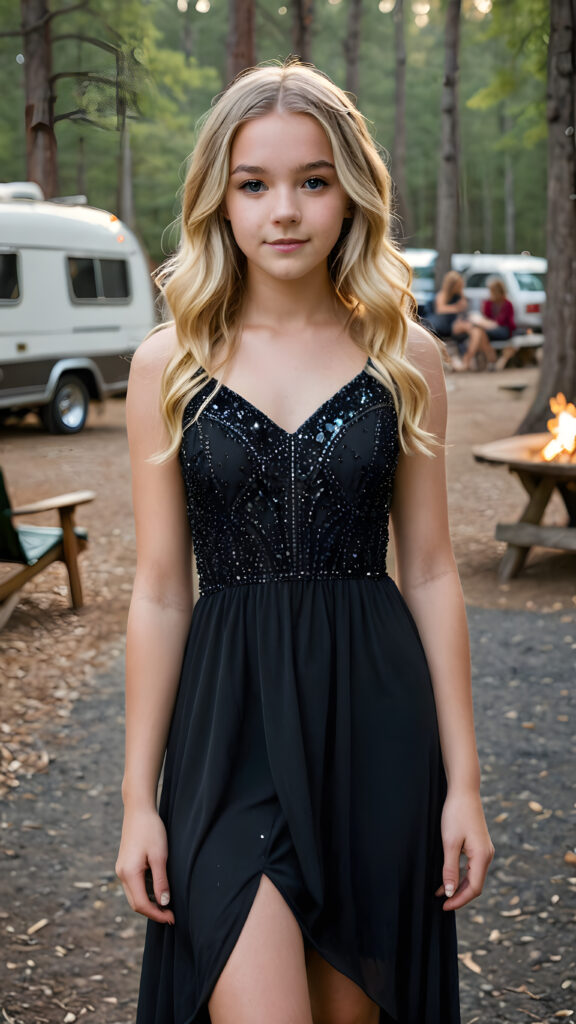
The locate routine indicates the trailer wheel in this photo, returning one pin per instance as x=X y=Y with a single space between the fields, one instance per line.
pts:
x=68 y=408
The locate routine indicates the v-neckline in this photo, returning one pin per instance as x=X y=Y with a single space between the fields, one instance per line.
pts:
x=319 y=409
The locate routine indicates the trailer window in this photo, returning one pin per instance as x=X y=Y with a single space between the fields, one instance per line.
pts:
x=83 y=277
x=9 y=285
x=99 y=279
x=114 y=279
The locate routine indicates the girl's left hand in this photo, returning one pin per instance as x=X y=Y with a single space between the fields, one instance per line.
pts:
x=464 y=830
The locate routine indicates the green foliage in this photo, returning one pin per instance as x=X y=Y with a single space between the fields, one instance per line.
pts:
x=172 y=63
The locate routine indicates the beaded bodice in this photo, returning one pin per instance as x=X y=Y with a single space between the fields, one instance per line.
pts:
x=265 y=504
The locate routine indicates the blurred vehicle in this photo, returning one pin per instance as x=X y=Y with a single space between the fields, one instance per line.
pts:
x=524 y=278
x=423 y=263
x=75 y=301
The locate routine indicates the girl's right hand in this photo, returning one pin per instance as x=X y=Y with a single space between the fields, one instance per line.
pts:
x=144 y=846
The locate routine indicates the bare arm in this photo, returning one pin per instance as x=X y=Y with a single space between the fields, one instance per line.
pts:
x=442 y=306
x=158 y=623
x=429 y=582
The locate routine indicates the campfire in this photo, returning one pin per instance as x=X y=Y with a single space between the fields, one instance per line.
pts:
x=562 y=446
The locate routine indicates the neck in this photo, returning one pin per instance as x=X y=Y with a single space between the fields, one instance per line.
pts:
x=289 y=304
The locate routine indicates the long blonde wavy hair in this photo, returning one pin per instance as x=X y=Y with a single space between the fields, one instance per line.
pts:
x=203 y=282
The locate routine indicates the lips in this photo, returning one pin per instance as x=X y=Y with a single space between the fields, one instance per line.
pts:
x=287 y=244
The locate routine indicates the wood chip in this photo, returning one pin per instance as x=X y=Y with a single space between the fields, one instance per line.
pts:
x=36 y=927
x=469 y=962
x=535 y=806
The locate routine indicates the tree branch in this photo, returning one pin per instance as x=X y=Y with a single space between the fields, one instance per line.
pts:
x=86 y=39
x=77 y=115
x=83 y=4
x=89 y=76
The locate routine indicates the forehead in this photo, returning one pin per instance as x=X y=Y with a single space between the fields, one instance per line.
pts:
x=284 y=138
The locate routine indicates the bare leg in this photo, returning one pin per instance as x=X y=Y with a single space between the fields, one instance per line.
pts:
x=334 y=998
x=479 y=342
x=264 y=980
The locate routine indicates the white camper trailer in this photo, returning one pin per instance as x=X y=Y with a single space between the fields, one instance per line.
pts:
x=75 y=301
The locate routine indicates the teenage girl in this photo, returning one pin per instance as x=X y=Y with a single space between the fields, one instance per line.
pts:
x=313 y=717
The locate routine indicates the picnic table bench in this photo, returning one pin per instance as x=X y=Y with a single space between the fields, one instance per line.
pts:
x=540 y=479
x=518 y=344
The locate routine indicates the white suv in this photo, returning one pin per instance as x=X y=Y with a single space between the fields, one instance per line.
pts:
x=524 y=278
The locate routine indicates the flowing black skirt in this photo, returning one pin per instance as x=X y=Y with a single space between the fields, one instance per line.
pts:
x=304 y=746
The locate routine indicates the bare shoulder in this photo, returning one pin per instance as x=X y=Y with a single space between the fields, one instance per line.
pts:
x=153 y=354
x=423 y=350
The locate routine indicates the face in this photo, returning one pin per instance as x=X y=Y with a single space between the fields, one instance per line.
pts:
x=284 y=202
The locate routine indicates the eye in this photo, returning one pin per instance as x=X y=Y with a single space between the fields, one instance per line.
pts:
x=315 y=184
x=253 y=187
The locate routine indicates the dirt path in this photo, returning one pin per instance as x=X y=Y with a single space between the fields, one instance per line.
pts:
x=61 y=737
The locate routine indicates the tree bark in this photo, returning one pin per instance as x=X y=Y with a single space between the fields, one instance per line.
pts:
x=352 y=45
x=486 y=214
x=404 y=226
x=302 y=29
x=241 y=48
x=558 y=371
x=509 y=193
x=447 y=196
x=41 y=154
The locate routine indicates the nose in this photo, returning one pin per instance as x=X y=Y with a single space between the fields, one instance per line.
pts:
x=285 y=209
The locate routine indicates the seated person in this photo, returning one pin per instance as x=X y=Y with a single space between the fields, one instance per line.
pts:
x=496 y=323
x=449 y=303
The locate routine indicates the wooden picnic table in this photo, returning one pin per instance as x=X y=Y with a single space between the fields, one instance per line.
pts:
x=539 y=478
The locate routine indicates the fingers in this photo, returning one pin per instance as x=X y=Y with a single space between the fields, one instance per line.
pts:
x=451 y=868
x=160 y=881
x=134 y=884
x=472 y=883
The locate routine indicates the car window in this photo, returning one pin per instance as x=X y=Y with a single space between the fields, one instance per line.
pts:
x=478 y=280
x=98 y=279
x=9 y=284
x=424 y=274
x=531 y=282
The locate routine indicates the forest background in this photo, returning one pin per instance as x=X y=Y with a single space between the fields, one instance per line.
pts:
x=167 y=59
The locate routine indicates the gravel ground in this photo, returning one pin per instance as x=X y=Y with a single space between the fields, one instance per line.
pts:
x=72 y=947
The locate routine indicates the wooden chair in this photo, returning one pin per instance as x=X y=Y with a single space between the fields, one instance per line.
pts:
x=35 y=547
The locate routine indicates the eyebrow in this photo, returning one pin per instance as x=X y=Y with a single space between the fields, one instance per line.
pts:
x=315 y=165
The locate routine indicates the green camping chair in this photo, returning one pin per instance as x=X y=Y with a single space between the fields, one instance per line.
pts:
x=35 y=547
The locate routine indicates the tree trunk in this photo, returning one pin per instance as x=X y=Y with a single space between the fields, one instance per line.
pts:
x=240 y=46
x=399 y=144
x=125 y=192
x=447 y=197
x=487 y=221
x=464 y=206
x=41 y=156
x=352 y=45
x=558 y=371
x=81 y=167
x=302 y=28
x=509 y=195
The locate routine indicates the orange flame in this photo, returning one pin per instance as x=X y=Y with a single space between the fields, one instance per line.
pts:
x=562 y=447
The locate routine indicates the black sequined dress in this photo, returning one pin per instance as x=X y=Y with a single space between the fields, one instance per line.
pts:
x=304 y=741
